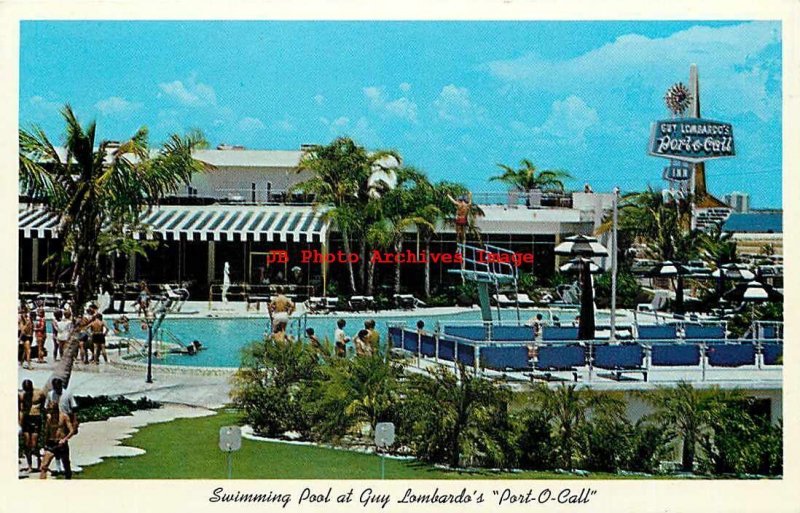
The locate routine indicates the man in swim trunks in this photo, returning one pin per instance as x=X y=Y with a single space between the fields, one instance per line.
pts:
x=463 y=205
x=31 y=401
x=40 y=333
x=99 y=330
x=280 y=308
x=58 y=429
x=25 y=337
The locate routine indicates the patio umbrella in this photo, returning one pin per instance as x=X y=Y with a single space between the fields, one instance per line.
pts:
x=670 y=269
x=576 y=264
x=584 y=247
x=735 y=272
x=754 y=292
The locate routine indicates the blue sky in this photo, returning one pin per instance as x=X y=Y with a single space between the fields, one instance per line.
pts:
x=454 y=98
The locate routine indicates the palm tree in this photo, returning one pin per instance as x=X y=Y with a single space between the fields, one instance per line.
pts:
x=96 y=183
x=567 y=407
x=718 y=248
x=528 y=177
x=339 y=171
x=686 y=411
x=456 y=409
x=360 y=390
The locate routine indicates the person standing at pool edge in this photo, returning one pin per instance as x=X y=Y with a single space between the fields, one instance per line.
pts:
x=280 y=308
x=340 y=338
x=373 y=337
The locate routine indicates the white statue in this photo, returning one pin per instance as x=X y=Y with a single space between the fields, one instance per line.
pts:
x=226 y=282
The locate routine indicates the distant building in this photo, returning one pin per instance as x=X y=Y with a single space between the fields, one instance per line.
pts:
x=738 y=201
x=755 y=231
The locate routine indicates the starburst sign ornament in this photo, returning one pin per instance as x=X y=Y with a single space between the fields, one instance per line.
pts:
x=678 y=99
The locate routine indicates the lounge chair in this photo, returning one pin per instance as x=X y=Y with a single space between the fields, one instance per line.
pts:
x=503 y=300
x=525 y=301
x=178 y=296
x=315 y=304
x=731 y=355
x=659 y=301
x=361 y=303
x=331 y=303
x=407 y=301
x=701 y=332
x=677 y=354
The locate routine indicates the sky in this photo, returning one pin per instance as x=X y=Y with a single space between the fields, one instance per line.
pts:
x=454 y=98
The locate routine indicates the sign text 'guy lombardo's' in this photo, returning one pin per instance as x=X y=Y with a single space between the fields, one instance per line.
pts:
x=692 y=140
x=313 y=256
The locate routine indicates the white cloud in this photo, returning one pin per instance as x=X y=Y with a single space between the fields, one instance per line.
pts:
x=727 y=58
x=43 y=104
x=250 y=124
x=454 y=104
x=401 y=108
x=191 y=94
x=115 y=105
x=405 y=87
x=569 y=118
x=319 y=99
x=285 y=125
x=340 y=122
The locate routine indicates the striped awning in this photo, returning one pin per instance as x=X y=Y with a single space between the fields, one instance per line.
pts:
x=210 y=222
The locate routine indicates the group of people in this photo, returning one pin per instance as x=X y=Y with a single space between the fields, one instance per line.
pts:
x=88 y=328
x=366 y=342
x=49 y=417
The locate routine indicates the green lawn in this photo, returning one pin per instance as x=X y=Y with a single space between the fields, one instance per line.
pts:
x=187 y=449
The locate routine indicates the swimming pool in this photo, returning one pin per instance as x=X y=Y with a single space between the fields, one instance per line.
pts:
x=223 y=339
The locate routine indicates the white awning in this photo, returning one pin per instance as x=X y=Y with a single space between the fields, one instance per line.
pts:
x=208 y=222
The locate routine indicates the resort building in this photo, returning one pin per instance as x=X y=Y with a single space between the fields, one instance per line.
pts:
x=244 y=207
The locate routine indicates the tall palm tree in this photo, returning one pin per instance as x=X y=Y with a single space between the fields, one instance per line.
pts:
x=528 y=177
x=94 y=184
x=686 y=411
x=339 y=171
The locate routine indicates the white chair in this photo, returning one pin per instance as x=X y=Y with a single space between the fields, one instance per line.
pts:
x=659 y=300
x=503 y=300
x=525 y=301
x=177 y=297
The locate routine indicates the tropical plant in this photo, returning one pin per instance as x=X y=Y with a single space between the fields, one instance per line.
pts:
x=661 y=227
x=686 y=413
x=629 y=290
x=99 y=189
x=464 y=418
x=528 y=177
x=718 y=248
x=339 y=172
x=355 y=392
x=567 y=407
x=274 y=386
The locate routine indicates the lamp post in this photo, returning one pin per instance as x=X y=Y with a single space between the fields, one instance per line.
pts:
x=613 y=334
x=149 y=319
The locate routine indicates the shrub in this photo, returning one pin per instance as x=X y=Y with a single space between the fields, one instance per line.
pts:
x=534 y=442
x=350 y=392
x=274 y=386
x=102 y=407
x=463 y=419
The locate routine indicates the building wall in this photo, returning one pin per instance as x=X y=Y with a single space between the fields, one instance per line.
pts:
x=224 y=183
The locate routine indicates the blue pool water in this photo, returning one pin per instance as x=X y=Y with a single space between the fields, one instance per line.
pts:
x=224 y=338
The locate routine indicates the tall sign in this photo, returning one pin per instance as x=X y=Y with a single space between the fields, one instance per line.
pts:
x=691 y=140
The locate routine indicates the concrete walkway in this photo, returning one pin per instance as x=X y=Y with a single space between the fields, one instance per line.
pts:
x=191 y=390
x=97 y=441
